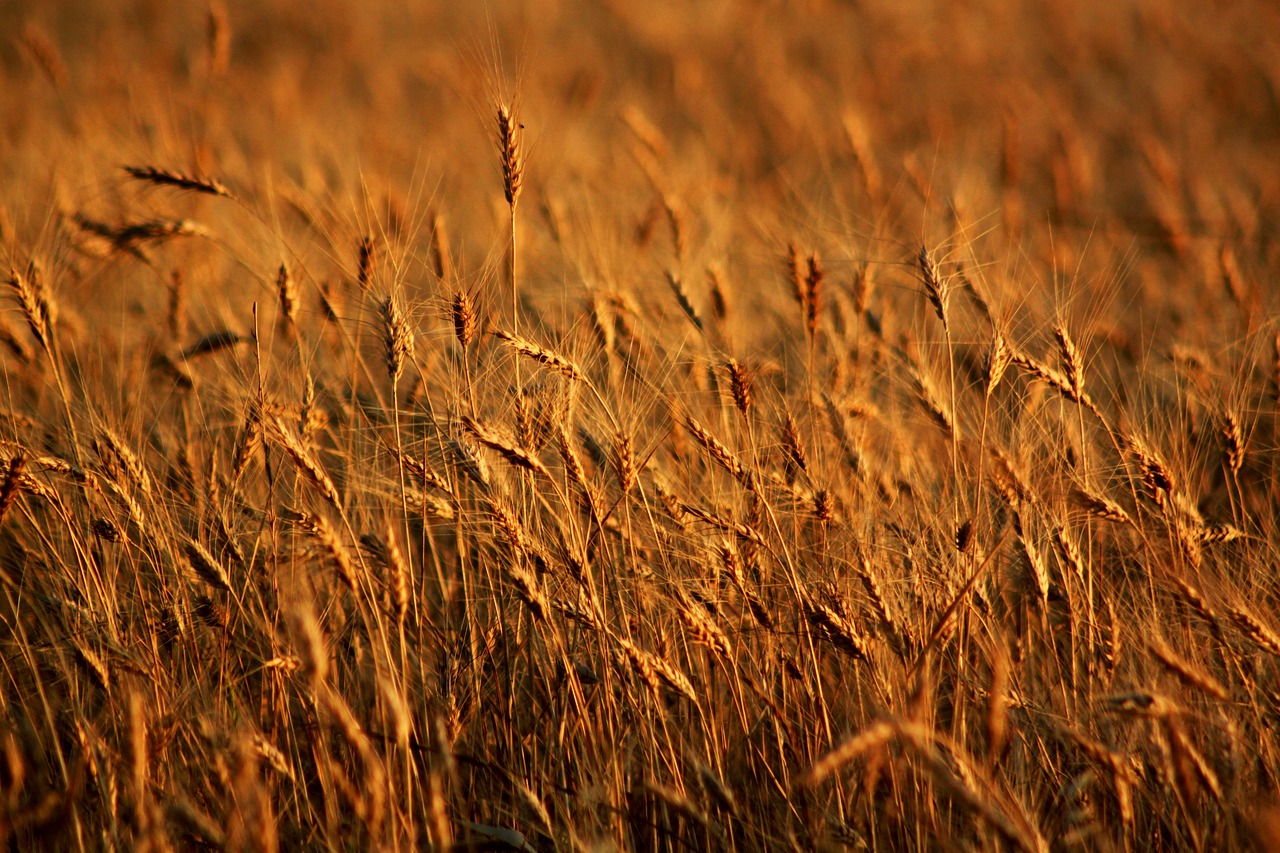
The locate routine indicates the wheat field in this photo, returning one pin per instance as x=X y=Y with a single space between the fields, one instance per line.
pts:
x=738 y=424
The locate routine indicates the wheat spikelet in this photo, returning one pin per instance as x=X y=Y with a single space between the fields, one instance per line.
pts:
x=1197 y=602
x=189 y=817
x=934 y=406
x=794 y=457
x=366 y=256
x=93 y=665
x=1214 y=534
x=740 y=383
x=870 y=738
x=135 y=472
x=744 y=531
x=218 y=37
x=463 y=314
x=1156 y=477
x=704 y=629
x=131 y=236
x=1056 y=381
x=573 y=466
x=937 y=291
x=397 y=337
x=540 y=354
x=305 y=463
x=1233 y=443
x=656 y=672
x=170 y=178
x=719 y=291
x=1100 y=506
x=1070 y=552
x=1186 y=672
x=528 y=589
x=1010 y=482
x=513 y=453
x=1039 y=570
x=1072 y=360
x=1190 y=767
x=319 y=528
x=867 y=574
x=12 y=480
x=999 y=357
x=248 y=440
x=206 y=566
x=441 y=257
x=37 y=307
x=310 y=642
x=1253 y=628
x=509 y=154
x=287 y=293
x=685 y=303
x=836 y=629
x=811 y=299
x=721 y=454
x=19 y=347
x=398 y=574
x=214 y=342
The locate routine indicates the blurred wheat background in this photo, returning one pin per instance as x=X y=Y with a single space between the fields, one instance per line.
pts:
x=738 y=424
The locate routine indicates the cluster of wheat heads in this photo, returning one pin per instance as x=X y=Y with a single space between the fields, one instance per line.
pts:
x=605 y=510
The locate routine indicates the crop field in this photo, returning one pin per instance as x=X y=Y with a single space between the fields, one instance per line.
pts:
x=590 y=426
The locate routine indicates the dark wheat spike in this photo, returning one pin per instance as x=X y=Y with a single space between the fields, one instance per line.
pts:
x=170 y=178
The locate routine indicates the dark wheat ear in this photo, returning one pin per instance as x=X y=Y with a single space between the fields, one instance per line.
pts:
x=169 y=178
